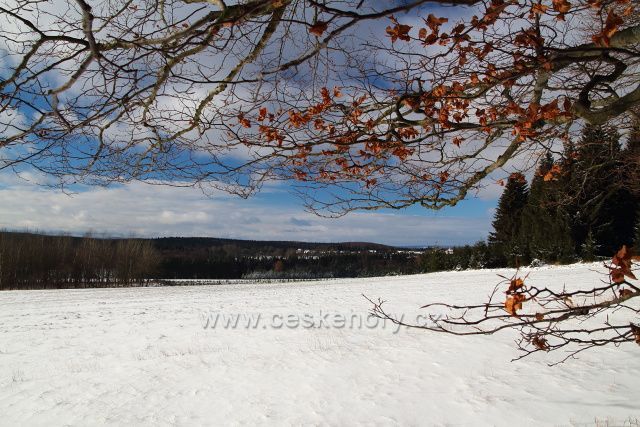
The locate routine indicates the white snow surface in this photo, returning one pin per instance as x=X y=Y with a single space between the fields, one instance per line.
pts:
x=141 y=356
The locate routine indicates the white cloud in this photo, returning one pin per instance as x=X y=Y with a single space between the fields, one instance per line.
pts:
x=147 y=210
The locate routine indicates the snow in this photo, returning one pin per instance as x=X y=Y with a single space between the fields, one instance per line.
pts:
x=141 y=356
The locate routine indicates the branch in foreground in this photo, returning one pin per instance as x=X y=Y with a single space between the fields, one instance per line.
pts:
x=575 y=320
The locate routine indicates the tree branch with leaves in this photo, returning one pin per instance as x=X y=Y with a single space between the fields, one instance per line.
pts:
x=547 y=319
x=231 y=95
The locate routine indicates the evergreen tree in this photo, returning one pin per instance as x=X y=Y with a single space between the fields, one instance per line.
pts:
x=545 y=231
x=584 y=203
x=631 y=174
x=599 y=200
x=589 y=248
x=508 y=218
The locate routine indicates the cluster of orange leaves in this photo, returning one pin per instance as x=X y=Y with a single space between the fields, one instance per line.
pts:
x=621 y=265
x=515 y=296
x=562 y=7
x=527 y=38
x=612 y=23
x=493 y=12
x=296 y=119
x=553 y=173
x=619 y=270
x=433 y=24
x=535 y=115
x=398 y=31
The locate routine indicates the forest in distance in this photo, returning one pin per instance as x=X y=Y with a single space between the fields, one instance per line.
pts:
x=42 y=261
x=36 y=260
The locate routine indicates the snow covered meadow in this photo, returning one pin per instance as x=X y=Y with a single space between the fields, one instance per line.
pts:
x=162 y=356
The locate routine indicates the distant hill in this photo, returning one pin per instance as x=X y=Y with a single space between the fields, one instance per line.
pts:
x=172 y=243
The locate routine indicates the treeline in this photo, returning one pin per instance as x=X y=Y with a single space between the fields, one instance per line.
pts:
x=253 y=247
x=236 y=261
x=579 y=206
x=37 y=261
x=33 y=261
x=466 y=257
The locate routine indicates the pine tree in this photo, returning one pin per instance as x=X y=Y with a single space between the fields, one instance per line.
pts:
x=589 y=248
x=545 y=229
x=600 y=201
x=631 y=174
x=508 y=218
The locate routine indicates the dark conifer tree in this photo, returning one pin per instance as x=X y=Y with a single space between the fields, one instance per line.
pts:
x=631 y=175
x=504 y=240
x=636 y=234
x=631 y=162
x=599 y=199
x=589 y=248
x=545 y=230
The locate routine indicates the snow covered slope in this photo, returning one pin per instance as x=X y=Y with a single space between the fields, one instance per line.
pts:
x=142 y=356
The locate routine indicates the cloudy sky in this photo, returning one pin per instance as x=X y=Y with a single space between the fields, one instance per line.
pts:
x=275 y=214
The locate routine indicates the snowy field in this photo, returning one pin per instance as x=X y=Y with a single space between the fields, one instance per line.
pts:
x=143 y=356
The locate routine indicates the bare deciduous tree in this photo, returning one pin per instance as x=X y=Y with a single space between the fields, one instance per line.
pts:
x=386 y=103
x=32 y=261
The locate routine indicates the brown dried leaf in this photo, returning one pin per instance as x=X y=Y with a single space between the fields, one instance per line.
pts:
x=540 y=342
x=318 y=28
x=513 y=304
